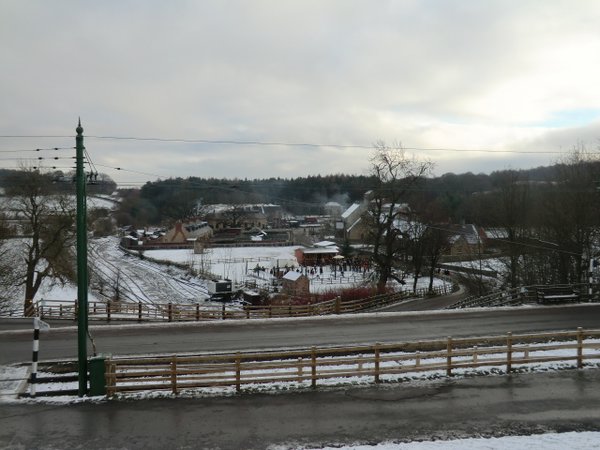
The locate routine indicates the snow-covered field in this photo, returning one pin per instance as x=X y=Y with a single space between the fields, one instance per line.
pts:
x=549 y=441
x=153 y=279
x=240 y=264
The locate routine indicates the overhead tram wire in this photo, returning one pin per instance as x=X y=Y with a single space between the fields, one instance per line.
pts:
x=287 y=144
x=37 y=149
x=39 y=158
x=309 y=144
x=132 y=171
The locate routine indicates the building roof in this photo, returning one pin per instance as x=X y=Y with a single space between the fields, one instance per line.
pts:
x=468 y=232
x=292 y=275
x=320 y=251
x=350 y=210
x=324 y=244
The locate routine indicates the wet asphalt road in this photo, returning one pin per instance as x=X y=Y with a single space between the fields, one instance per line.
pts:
x=242 y=335
x=562 y=401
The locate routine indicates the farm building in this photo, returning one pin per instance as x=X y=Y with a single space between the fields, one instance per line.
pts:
x=294 y=283
x=316 y=256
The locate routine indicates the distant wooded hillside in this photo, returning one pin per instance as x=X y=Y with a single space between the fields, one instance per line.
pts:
x=176 y=198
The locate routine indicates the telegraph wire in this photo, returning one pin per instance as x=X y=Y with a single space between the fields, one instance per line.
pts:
x=308 y=144
x=34 y=136
x=289 y=144
x=132 y=171
x=37 y=149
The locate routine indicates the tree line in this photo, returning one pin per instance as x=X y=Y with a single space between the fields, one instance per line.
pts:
x=549 y=216
x=547 y=221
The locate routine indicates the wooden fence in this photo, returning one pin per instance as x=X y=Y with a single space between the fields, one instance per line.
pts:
x=525 y=294
x=173 y=312
x=378 y=362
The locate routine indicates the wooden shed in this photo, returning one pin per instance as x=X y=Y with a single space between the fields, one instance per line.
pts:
x=294 y=283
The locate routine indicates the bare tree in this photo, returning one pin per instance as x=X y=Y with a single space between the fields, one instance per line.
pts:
x=8 y=277
x=513 y=209
x=571 y=213
x=415 y=238
x=48 y=226
x=436 y=244
x=396 y=174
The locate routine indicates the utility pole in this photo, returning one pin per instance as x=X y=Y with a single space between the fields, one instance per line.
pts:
x=82 y=273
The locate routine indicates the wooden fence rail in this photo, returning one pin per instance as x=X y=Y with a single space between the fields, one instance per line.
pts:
x=528 y=294
x=309 y=366
x=172 y=312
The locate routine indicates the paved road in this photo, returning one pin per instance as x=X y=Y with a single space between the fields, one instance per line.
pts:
x=331 y=330
x=482 y=406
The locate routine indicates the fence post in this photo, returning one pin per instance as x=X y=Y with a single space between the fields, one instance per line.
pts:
x=170 y=311
x=108 y=311
x=197 y=312
x=579 y=347
x=238 y=373
x=338 y=304
x=313 y=367
x=223 y=312
x=449 y=357
x=509 y=352
x=300 y=370
x=139 y=311
x=174 y=374
x=109 y=375
x=376 y=350
x=289 y=310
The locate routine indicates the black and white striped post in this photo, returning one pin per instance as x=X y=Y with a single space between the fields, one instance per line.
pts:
x=591 y=278
x=37 y=324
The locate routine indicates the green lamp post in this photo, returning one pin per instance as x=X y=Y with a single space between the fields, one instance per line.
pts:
x=82 y=273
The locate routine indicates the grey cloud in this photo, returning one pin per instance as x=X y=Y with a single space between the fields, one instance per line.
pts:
x=345 y=72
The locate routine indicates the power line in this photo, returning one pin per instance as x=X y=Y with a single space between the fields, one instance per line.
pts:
x=132 y=171
x=37 y=149
x=33 y=136
x=288 y=144
x=39 y=158
x=309 y=144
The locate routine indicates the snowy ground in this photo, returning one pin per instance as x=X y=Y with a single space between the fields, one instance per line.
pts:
x=240 y=264
x=153 y=280
x=550 y=441
x=139 y=280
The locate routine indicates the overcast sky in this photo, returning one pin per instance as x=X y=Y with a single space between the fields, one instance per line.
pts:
x=491 y=75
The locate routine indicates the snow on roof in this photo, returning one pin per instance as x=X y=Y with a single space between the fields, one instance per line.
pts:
x=354 y=224
x=324 y=244
x=350 y=210
x=468 y=232
x=322 y=250
x=496 y=233
x=292 y=275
